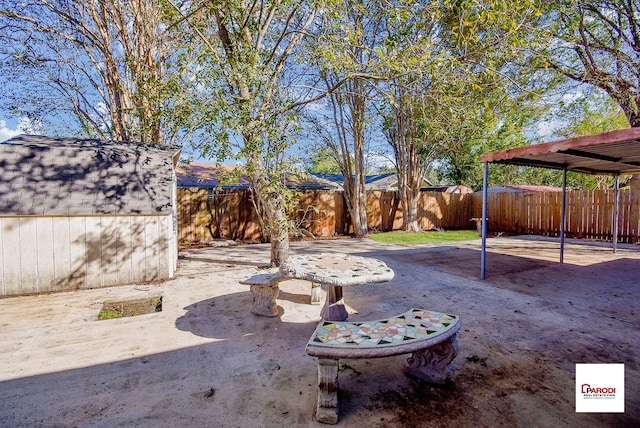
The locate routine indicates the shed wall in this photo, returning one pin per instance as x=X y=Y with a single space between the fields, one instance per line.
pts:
x=44 y=254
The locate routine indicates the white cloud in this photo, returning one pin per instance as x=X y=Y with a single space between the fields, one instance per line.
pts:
x=24 y=126
x=547 y=128
x=570 y=97
x=6 y=132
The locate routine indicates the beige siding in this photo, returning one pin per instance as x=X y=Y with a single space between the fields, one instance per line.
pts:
x=43 y=254
x=109 y=256
x=124 y=243
x=138 y=249
x=28 y=256
x=61 y=250
x=79 y=255
x=2 y=257
x=94 y=262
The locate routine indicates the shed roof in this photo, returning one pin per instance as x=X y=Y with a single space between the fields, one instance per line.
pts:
x=616 y=152
x=42 y=175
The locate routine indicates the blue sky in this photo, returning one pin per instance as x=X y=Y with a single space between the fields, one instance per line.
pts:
x=10 y=128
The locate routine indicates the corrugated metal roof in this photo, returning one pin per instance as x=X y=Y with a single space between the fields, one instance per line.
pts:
x=616 y=152
x=65 y=176
x=521 y=189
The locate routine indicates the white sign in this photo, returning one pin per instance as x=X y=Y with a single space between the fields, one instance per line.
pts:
x=600 y=388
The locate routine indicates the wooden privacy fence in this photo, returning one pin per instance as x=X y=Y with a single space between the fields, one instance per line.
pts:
x=205 y=214
x=435 y=210
x=589 y=214
x=230 y=214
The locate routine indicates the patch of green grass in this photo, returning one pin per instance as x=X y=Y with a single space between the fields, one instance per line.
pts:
x=108 y=315
x=431 y=237
x=130 y=308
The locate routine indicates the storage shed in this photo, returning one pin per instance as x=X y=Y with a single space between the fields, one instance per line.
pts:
x=78 y=213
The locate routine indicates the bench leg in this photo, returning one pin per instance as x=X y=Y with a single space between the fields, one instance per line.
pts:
x=264 y=300
x=316 y=298
x=327 y=408
x=434 y=364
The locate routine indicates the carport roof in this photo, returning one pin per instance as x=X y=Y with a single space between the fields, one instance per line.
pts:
x=616 y=152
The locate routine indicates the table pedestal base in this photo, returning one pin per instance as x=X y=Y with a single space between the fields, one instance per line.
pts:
x=334 y=308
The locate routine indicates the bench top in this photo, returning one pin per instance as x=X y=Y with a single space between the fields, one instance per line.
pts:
x=266 y=277
x=414 y=330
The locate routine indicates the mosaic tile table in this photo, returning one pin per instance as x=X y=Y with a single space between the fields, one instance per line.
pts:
x=429 y=336
x=336 y=270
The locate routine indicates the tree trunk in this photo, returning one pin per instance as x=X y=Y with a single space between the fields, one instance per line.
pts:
x=410 y=213
x=408 y=162
x=279 y=232
x=360 y=227
x=357 y=101
x=270 y=193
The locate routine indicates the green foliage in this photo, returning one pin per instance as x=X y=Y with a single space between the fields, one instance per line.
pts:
x=466 y=97
x=593 y=42
x=104 y=69
x=320 y=160
x=593 y=113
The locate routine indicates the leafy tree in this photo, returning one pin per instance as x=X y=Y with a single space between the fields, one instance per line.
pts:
x=344 y=52
x=596 y=43
x=454 y=94
x=590 y=112
x=322 y=160
x=111 y=65
x=246 y=94
x=410 y=53
x=593 y=113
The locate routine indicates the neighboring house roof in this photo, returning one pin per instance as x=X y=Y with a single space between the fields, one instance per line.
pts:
x=42 y=175
x=389 y=182
x=229 y=177
x=339 y=178
x=210 y=176
x=522 y=188
x=381 y=182
x=446 y=188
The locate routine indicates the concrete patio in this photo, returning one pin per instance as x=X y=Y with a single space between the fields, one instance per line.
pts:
x=205 y=360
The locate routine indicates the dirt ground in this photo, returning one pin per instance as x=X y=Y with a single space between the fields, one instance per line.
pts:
x=205 y=360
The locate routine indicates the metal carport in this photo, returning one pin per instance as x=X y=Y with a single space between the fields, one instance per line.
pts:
x=611 y=153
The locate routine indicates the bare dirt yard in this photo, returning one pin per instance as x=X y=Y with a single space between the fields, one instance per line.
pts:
x=205 y=360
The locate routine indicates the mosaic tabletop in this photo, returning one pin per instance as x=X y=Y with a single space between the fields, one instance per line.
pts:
x=413 y=325
x=336 y=269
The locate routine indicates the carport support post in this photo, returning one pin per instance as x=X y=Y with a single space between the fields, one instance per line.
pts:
x=616 y=207
x=563 y=212
x=483 y=253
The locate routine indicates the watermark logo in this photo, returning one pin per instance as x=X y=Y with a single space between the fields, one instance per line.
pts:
x=600 y=388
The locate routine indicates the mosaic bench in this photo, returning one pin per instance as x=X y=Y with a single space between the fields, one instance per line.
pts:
x=264 y=289
x=429 y=336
